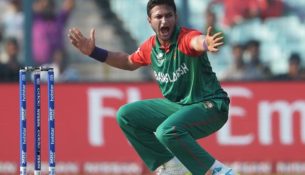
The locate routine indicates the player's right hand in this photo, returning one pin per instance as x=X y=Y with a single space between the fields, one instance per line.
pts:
x=85 y=45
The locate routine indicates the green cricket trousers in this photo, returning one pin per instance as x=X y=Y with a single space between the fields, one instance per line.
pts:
x=159 y=129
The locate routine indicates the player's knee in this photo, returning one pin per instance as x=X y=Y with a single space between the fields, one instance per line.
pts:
x=128 y=113
x=122 y=115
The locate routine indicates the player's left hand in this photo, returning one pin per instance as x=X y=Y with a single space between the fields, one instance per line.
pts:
x=213 y=41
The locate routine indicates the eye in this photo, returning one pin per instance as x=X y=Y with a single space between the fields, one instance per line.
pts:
x=158 y=16
x=169 y=15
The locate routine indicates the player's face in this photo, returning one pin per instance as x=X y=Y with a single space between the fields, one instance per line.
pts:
x=163 y=21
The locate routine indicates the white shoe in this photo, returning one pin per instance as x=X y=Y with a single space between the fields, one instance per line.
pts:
x=223 y=171
x=173 y=167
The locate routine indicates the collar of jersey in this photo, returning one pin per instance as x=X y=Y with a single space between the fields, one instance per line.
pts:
x=172 y=41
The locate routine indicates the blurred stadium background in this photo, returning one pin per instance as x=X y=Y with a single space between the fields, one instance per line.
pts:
x=261 y=65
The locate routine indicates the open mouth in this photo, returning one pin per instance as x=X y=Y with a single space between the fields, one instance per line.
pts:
x=164 y=31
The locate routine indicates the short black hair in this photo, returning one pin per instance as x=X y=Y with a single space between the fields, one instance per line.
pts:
x=294 y=58
x=253 y=43
x=152 y=3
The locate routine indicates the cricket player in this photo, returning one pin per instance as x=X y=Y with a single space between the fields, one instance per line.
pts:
x=164 y=131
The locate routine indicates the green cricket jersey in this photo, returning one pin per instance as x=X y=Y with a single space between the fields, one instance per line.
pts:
x=184 y=75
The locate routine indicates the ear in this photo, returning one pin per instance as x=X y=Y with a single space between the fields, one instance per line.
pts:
x=149 y=20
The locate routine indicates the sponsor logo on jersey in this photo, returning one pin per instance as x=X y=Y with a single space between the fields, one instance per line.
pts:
x=160 y=58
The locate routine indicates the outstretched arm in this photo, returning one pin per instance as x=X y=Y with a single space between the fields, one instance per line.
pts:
x=206 y=43
x=87 y=46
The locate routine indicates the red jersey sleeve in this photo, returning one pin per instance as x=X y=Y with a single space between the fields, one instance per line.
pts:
x=184 y=41
x=143 y=55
